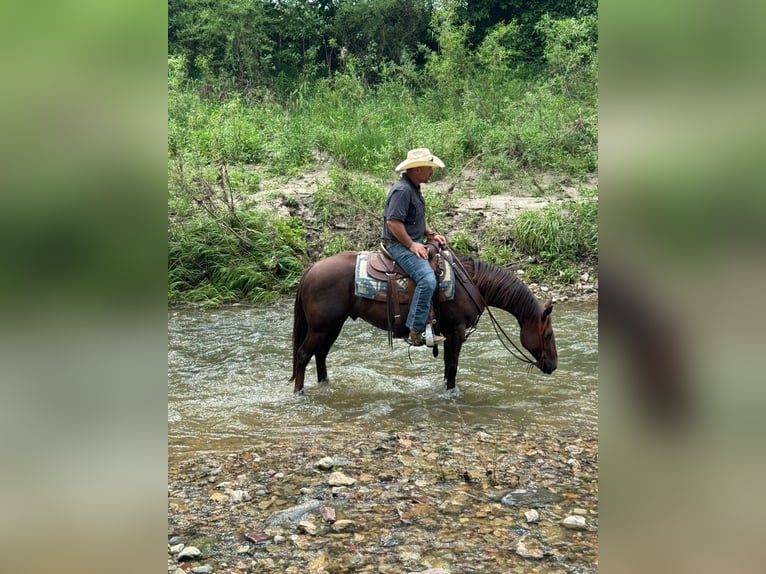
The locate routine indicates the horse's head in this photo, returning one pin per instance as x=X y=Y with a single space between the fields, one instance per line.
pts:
x=537 y=338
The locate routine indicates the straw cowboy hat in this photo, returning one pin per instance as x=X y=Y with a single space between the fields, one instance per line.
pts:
x=418 y=157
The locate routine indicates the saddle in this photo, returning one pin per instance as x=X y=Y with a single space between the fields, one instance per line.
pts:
x=381 y=266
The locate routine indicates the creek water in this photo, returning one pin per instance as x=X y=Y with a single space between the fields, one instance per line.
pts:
x=228 y=372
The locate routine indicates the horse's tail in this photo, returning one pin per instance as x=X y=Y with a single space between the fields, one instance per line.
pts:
x=300 y=328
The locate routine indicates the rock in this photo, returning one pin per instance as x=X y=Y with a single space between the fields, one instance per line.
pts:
x=175 y=549
x=343 y=525
x=219 y=497
x=308 y=527
x=204 y=569
x=337 y=478
x=237 y=496
x=328 y=462
x=532 y=497
x=433 y=571
x=528 y=547
x=175 y=540
x=327 y=513
x=574 y=522
x=189 y=553
x=257 y=537
x=532 y=516
x=294 y=514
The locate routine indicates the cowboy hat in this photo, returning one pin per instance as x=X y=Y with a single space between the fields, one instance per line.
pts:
x=418 y=157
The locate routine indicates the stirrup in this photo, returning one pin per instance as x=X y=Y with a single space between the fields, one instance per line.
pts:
x=431 y=339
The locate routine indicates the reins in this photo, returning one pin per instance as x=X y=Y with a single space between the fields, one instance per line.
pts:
x=523 y=358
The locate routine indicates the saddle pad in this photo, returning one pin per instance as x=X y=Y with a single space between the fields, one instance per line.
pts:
x=370 y=288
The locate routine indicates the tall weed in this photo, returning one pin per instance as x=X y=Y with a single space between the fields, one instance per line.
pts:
x=246 y=256
x=560 y=234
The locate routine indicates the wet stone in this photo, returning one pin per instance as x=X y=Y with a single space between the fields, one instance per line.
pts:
x=532 y=497
x=532 y=516
x=528 y=547
x=343 y=525
x=574 y=522
x=295 y=513
x=330 y=462
x=189 y=553
x=410 y=508
x=337 y=478
x=327 y=513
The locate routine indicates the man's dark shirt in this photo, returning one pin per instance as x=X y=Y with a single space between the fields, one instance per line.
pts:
x=405 y=203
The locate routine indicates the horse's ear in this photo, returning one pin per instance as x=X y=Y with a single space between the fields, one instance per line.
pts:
x=547 y=308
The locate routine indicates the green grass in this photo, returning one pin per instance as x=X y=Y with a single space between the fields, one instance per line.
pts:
x=558 y=236
x=244 y=256
x=223 y=248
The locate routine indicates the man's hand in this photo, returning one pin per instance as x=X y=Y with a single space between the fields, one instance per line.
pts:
x=441 y=239
x=419 y=249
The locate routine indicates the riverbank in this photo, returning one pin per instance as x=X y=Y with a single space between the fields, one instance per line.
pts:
x=416 y=499
x=466 y=210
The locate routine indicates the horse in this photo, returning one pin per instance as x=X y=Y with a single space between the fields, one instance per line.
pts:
x=325 y=299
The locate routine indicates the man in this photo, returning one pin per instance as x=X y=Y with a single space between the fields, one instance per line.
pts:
x=403 y=231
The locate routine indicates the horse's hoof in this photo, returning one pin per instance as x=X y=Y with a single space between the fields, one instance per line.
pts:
x=453 y=393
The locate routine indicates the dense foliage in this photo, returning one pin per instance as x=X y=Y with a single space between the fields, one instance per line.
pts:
x=248 y=44
x=269 y=88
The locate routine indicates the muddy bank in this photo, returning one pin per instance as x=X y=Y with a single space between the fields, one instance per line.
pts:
x=449 y=500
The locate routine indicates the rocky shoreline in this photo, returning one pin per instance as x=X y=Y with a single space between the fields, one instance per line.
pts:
x=419 y=499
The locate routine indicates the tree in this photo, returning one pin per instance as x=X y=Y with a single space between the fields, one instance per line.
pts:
x=222 y=38
x=483 y=15
x=376 y=31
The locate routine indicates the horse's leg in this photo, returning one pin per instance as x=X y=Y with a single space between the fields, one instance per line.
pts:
x=328 y=338
x=301 y=360
x=316 y=344
x=452 y=347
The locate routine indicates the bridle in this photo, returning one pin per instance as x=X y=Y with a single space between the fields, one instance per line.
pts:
x=502 y=336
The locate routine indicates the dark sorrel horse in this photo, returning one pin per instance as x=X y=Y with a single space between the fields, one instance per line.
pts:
x=326 y=298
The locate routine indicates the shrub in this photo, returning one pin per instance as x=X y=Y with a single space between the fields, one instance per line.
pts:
x=559 y=235
x=245 y=256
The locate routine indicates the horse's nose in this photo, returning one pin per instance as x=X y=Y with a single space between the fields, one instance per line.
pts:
x=548 y=367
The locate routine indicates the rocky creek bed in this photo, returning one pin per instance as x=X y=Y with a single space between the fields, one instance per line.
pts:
x=418 y=499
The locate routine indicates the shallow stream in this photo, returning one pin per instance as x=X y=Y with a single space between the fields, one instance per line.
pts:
x=228 y=372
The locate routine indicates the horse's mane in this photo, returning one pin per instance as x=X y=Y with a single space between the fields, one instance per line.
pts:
x=500 y=288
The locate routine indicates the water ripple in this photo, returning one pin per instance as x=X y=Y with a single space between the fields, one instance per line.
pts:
x=228 y=372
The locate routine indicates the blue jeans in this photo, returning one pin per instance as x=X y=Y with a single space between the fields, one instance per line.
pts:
x=425 y=284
